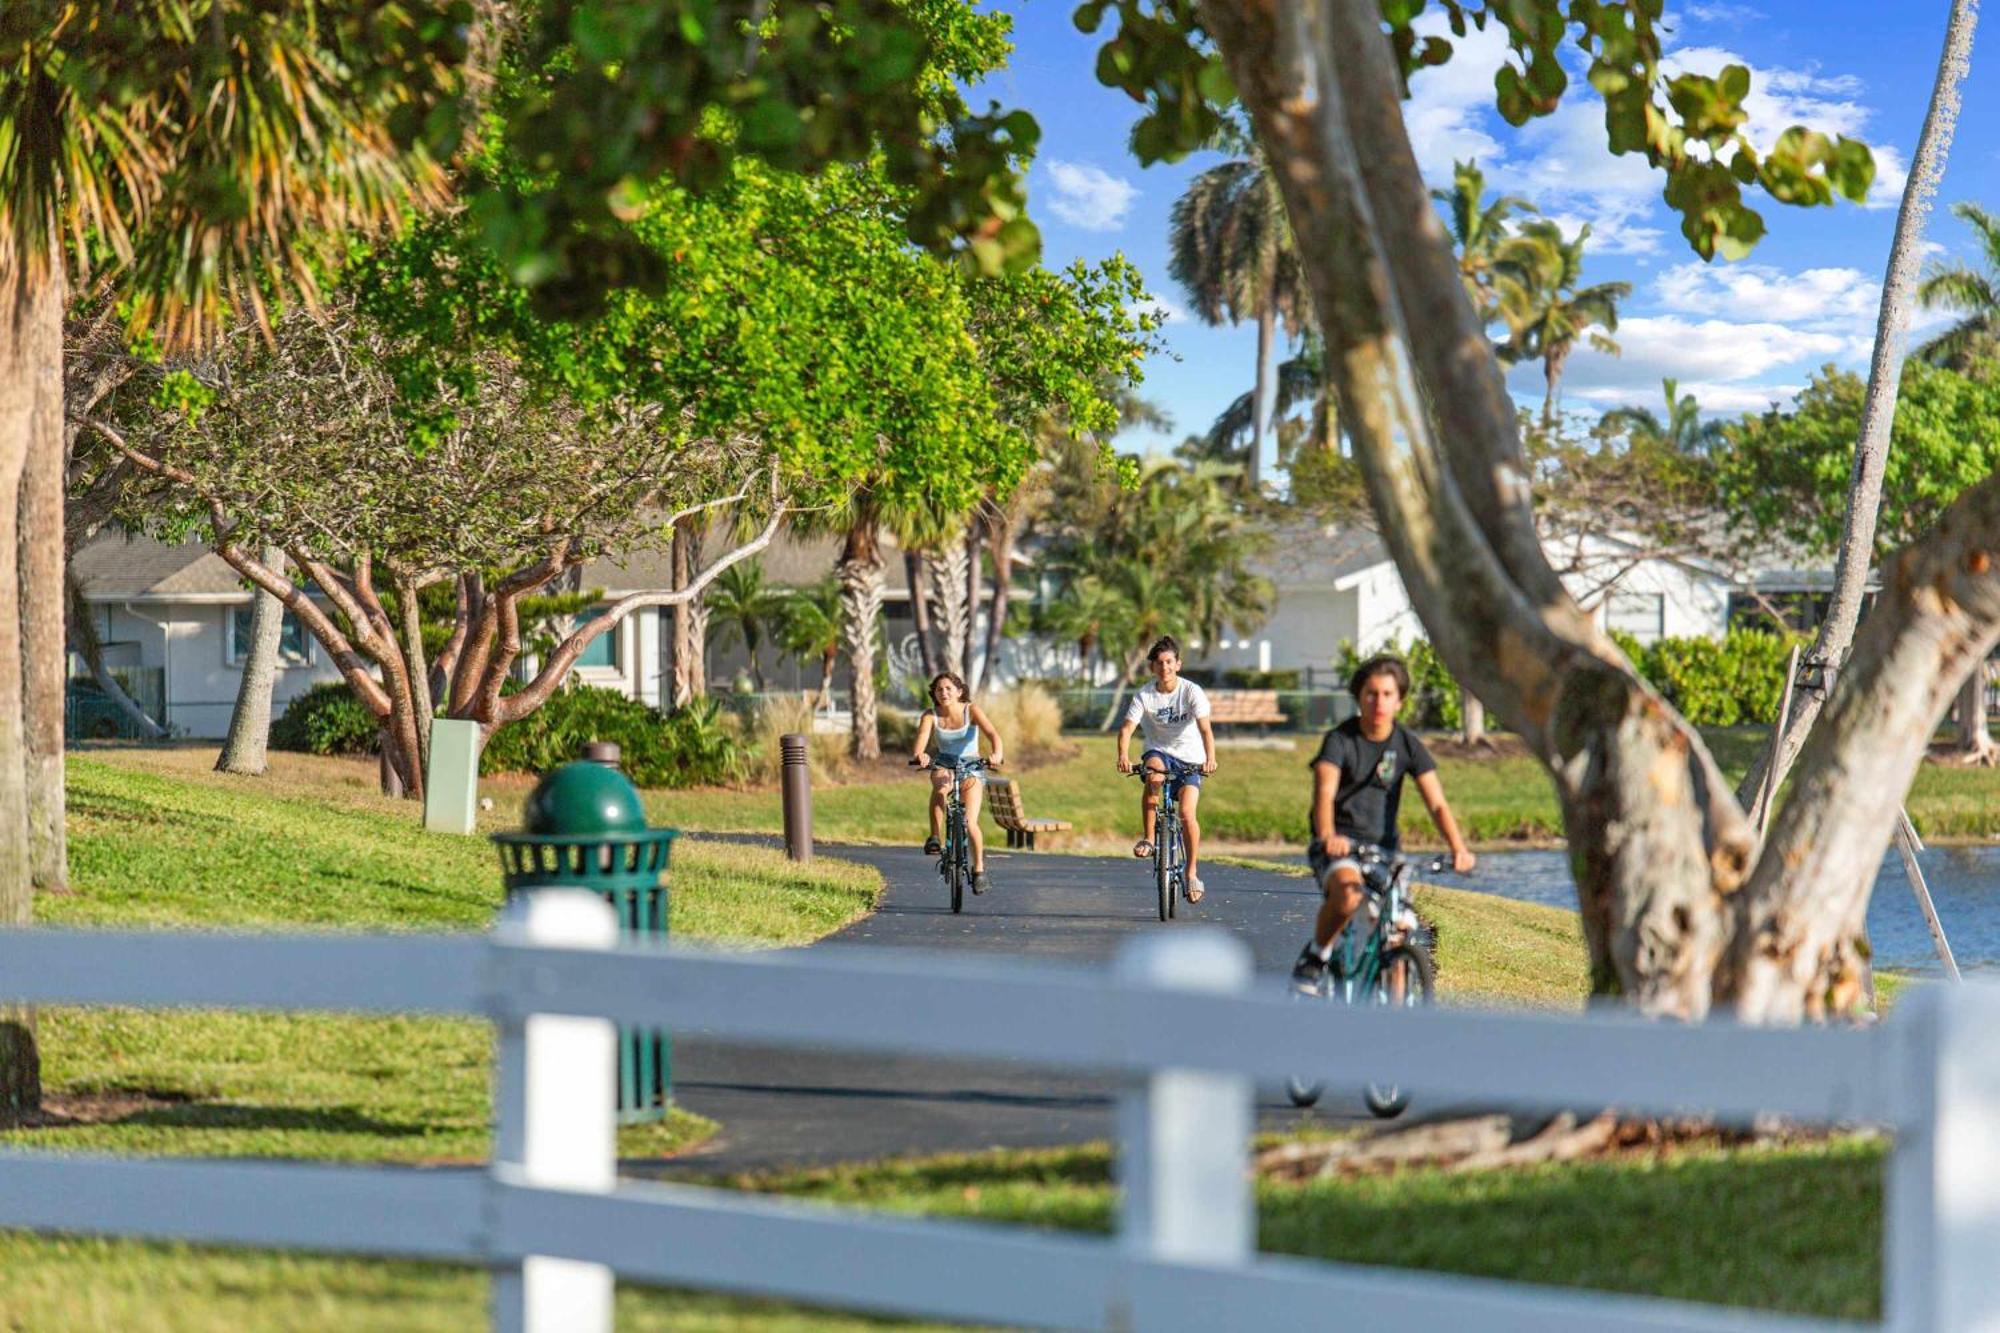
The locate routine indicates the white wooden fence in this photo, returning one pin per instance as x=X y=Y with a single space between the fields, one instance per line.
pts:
x=1178 y=1017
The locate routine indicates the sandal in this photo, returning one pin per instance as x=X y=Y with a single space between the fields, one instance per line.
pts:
x=932 y=847
x=1195 y=888
x=979 y=881
x=1142 y=849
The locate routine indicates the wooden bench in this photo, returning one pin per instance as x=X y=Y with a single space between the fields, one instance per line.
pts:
x=1245 y=708
x=1003 y=799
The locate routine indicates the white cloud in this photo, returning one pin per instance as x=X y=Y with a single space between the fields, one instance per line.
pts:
x=1814 y=297
x=1723 y=14
x=1724 y=363
x=1449 y=104
x=1089 y=197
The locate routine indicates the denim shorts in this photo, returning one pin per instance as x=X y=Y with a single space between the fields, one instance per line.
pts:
x=1188 y=775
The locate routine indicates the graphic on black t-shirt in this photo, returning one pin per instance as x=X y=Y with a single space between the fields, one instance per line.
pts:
x=1371 y=779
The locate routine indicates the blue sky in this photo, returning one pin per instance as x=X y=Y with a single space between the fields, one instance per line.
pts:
x=1737 y=335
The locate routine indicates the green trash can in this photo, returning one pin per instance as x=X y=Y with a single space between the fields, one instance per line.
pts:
x=584 y=827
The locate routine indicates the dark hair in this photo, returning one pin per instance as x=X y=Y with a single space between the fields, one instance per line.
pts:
x=1382 y=664
x=955 y=679
x=1166 y=643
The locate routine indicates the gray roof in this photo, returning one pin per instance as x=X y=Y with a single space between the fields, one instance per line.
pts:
x=116 y=566
x=789 y=561
x=1312 y=553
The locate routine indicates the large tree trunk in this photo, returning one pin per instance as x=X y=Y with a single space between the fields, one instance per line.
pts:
x=950 y=608
x=917 y=572
x=860 y=574
x=686 y=670
x=31 y=306
x=1260 y=393
x=1797 y=950
x=697 y=611
x=244 y=748
x=1003 y=587
x=1975 y=737
x=1655 y=842
x=45 y=655
x=1878 y=410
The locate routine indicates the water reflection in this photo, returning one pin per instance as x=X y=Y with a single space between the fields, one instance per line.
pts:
x=1965 y=885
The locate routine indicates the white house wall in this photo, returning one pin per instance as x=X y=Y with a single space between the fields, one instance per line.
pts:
x=189 y=642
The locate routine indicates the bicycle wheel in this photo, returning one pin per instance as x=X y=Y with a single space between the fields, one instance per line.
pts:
x=954 y=859
x=1301 y=1091
x=1418 y=973
x=1163 y=872
x=1176 y=873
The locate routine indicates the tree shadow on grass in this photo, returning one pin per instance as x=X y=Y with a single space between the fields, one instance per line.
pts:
x=166 y=1109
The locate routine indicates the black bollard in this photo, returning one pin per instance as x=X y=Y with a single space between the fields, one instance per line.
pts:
x=795 y=775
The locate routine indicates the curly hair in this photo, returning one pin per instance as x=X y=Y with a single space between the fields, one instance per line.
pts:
x=955 y=679
x=1166 y=643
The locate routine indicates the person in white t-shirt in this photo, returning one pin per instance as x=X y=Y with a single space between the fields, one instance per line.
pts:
x=1180 y=741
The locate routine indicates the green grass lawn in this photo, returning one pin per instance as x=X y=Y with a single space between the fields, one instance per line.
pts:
x=159 y=842
x=157 y=839
x=1261 y=796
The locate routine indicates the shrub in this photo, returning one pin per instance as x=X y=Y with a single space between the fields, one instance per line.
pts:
x=1433 y=703
x=826 y=752
x=1733 y=681
x=327 y=719
x=689 y=748
x=1029 y=721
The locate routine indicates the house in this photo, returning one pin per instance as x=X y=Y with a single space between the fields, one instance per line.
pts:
x=176 y=619
x=1336 y=585
x=173 y=622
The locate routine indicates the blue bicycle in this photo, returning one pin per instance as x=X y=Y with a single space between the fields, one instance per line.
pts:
x=955 y=858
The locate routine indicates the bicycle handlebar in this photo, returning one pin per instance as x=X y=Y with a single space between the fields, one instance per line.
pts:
x=971 y=764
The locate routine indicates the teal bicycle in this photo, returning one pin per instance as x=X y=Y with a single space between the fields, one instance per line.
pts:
x=1381 y=958
x=955 y=860
x=1169 y=851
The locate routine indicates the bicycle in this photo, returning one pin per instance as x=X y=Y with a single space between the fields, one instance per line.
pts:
x=1169 y=851
x=1389 y=963
x=955 y=860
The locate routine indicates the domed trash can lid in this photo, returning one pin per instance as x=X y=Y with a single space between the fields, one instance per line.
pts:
x=584 y=825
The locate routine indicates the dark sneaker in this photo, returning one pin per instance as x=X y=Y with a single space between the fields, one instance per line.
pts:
x=932 y=847
x=1306 y=973
x=979 y=881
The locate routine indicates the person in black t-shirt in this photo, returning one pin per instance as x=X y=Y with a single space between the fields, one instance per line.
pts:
x=1357 y=785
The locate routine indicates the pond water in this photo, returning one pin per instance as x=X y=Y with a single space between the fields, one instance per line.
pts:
x=1965 y=885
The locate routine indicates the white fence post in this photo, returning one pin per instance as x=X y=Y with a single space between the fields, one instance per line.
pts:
x=1942 y=1265
x=1184 y=1135
x=555 y=1093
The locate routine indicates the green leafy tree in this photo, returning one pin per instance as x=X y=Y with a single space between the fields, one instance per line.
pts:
x=193 y=155
x=1972 y=344
x=1546 y=312
x=1682 y=431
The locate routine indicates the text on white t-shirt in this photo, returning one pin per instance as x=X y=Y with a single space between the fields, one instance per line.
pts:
x=1168 y=718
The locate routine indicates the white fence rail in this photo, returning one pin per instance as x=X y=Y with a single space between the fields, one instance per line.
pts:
x=1179 y=1018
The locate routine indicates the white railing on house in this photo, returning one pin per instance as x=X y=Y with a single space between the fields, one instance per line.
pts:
x=1178 y=1017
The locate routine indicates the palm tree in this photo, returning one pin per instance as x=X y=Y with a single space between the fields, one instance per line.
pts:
x=1683 y=432
x=741 y=607
x=1479 y=231
x=201 y=155
x=1547 y=314
x=809 y=628
x=1972 y=292
x=1231 y=250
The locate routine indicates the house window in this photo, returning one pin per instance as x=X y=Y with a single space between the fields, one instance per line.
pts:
x=601 y=651
x=294 y=644
x=1643 y=615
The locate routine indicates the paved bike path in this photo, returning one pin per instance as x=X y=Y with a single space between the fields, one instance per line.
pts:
x=784 y=1106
